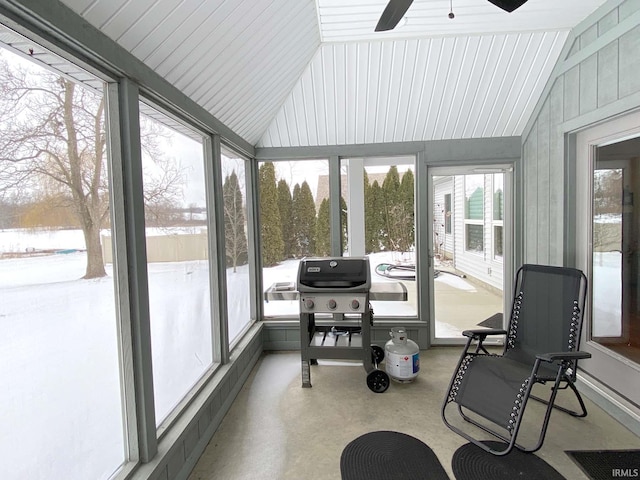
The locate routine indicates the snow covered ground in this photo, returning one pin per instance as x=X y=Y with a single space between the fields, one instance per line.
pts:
x=607 y=294
x=23 y=240
x=62 y=401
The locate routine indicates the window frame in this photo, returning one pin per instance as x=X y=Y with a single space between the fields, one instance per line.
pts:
x=74 y=45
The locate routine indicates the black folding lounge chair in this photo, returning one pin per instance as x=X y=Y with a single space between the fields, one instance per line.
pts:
x=541 y=346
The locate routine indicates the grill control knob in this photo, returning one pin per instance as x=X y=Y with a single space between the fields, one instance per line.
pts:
x=355 y=304
x=332 y=304
x=308 y=303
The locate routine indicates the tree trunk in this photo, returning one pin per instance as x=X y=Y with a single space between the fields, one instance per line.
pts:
x=95 y=263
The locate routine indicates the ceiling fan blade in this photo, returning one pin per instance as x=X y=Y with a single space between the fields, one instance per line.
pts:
x=392 y=14
x=508 y=5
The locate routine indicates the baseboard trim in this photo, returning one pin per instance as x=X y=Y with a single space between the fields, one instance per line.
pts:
x=615 y=405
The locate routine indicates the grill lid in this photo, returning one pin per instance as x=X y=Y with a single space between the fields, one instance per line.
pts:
x=334 y=273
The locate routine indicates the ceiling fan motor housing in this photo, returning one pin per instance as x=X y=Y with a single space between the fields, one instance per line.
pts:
x=508 y=5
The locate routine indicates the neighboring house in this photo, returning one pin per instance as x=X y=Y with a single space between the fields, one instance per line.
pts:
x=468 y=225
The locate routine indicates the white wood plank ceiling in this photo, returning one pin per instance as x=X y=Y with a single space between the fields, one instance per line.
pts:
x=477 y=75
x=239 y=59
x=297 y=72
x=426 y=89
x=351 y=20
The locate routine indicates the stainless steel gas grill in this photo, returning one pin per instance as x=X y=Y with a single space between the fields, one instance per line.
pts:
x=338 y=286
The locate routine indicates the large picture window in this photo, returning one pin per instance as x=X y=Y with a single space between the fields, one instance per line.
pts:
x=177 y=257
x=234 y=193
x=294 y=218
x=61 y=402
x=380 y=219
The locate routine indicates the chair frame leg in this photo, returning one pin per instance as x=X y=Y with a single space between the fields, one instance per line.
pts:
x=573 y=413
x=511 y=442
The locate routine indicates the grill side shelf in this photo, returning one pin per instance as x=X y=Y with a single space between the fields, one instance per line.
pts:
x=383 y=291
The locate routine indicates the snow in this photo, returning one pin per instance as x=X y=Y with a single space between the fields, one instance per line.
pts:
x=62 y=402
x=13 y=240
x=62 y=412
x=608 y=218
x=607 y=294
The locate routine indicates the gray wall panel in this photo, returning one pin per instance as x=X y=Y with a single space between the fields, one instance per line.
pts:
x=572 y=93
x=575 y=47
x=530 y=196
x=597 y=80
x=588 y=87
x=630 y=62
x=556 y=173
x=608 y=22
x=589 y=36
x=627 y=9
x=543 y=186
x=608 y=74
x=273 y=333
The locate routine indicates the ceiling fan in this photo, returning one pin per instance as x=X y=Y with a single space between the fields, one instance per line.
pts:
x=396 y=9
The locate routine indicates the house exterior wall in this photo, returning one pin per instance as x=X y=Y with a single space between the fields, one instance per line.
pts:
x=481 y=266
x=478 y=265
x=443 y=241
x=596 y=78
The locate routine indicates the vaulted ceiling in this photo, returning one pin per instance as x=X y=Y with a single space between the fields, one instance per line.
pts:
x=305 y=72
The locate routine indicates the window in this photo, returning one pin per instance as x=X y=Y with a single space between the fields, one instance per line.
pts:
x=380 y=215
x=497 y=241
x=294 y=219
x=498 y=213
x=473 y=238
x=177 y=257
x=474 y=213
x=234 y=193
x=62 y=404
x=447 y=213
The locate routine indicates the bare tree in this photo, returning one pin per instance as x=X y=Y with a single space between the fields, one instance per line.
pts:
x=56 y=142
x=53 y=141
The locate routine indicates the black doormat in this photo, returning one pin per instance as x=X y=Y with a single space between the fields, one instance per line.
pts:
x=387 y=455
x=607 y=464
x=494 y=321
x=470 y=462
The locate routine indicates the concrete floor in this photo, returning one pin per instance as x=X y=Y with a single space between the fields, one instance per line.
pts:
x=278 y=430
x=463 y=303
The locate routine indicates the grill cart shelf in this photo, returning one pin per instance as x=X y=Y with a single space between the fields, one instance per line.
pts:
x=341 y=287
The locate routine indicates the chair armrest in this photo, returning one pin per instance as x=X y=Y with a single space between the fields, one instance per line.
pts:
x=481 y=334
x=553 y=356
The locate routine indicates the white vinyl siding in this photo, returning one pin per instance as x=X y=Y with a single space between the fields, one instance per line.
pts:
x=444 y=241
x=480 y=265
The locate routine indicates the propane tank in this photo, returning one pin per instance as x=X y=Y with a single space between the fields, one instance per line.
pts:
x=402 y=356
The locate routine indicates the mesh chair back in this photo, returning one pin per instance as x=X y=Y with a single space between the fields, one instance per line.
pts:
x=546 y=313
